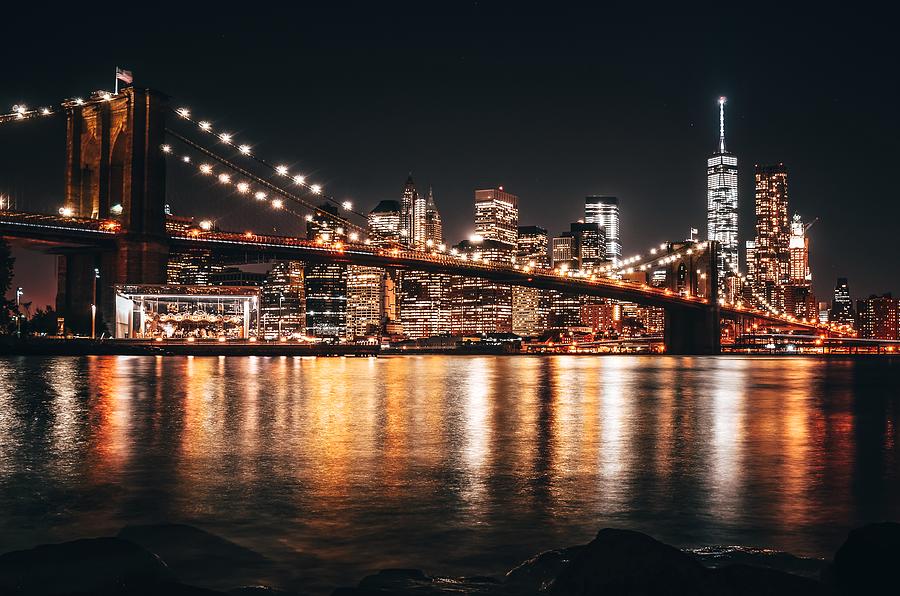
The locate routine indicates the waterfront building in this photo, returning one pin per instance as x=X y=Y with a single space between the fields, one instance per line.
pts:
x=424 y=304
x=603 y=210
x=842 y=311
x=424 y=297
x=497 y=216
x=530 y=305
x=565 y=310
x=603 y=316
x=877 y=316
x=384 y=224
x=722 y=200
x=364 y=300
x=283 y=301
x=479 y=306
x=326 y=283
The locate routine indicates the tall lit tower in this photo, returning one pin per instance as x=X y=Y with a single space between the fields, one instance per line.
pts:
x=408 y=212
x=722 y=199
x=604 y=211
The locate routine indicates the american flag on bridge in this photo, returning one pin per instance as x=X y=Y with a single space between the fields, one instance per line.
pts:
x=124 y=75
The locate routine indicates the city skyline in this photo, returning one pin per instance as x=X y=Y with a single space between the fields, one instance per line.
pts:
x=596 y=147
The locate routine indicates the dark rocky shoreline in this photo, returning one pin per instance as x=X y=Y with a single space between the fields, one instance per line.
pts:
x=177 y=559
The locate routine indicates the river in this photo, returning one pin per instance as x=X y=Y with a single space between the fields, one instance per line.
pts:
x=337 y=467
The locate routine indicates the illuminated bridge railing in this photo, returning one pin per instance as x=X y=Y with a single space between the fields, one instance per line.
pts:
x=451 y=264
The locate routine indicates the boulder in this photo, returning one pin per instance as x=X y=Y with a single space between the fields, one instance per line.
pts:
x=538 y=573
x=414 y=582
x=196 y=556
x=94 y=566
x=627 y=562
x=868 y=560
x=746 y=580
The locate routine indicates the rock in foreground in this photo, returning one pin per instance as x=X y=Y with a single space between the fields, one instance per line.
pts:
x=91 y=566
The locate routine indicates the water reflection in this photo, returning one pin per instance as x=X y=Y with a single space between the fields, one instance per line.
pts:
x=463 y=464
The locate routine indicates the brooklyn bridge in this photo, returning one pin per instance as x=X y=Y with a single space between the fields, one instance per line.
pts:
x=112 y=229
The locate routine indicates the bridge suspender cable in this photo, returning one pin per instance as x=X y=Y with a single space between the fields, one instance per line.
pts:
x=260 y=180
x=247 y=151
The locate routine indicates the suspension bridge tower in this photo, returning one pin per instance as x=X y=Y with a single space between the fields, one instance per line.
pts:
x=114 y=170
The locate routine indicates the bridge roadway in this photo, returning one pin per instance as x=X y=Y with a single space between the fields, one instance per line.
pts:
x=74 y=231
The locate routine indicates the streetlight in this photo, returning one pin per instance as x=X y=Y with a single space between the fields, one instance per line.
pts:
x=94 y=305
x=19 y=293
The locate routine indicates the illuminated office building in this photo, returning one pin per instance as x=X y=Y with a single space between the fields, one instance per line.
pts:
x=408 y=212
x=326 y=283
x=384 y=224
x=772 y=257
x=563 y=252
x=530 y=306
x=842 y=311
x=722 y=200
x=479 y=306
x=497 y=216
x=799 y=272
x=424 y=298
x=604 y=211
x=432 y=228
x=192 y=267
x=282 y=301
x=364 y=300
x=424 y=304
x=878 y=317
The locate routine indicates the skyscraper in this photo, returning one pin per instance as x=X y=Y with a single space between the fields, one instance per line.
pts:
x=799 y=272
x=384 y=230
x=364 y=300
x=326 y=283
x=282 y=301
x=425 y=297
x=479 y=306
x=433 y=229
x=722 y=200
x=772 y=232
x=407 y=212
x=384 y=223
x=497 y=216
x=842 y=305
x=530 y=305
x=604 y=211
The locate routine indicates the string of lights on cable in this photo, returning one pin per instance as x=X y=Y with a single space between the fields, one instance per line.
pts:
x=281 y=170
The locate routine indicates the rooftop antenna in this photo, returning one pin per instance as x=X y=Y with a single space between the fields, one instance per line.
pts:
x=722 y=125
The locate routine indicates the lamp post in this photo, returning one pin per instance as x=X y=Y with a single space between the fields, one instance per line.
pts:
x=19 y=293
x=94 y=305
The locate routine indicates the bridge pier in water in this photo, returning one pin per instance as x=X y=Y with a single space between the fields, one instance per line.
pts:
x=114 y=170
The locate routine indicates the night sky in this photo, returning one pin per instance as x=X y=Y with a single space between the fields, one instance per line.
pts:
x=552 y=103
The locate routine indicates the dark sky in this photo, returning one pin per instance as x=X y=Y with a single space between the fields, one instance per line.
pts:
x=554 y=103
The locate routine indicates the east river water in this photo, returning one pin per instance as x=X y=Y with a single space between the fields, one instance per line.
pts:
x=337 y=467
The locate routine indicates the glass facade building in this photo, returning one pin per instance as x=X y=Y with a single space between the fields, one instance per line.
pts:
x=604 y=211
x=722 y=200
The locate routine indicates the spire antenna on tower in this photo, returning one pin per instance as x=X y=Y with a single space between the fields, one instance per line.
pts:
x=722 y=125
